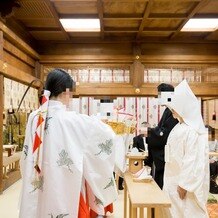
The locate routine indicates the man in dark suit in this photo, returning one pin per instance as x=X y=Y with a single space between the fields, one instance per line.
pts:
x=139 y=140
x=157 y=138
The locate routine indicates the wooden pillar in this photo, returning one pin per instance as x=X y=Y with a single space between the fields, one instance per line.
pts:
x=1 y=132
x=39 y=73
x=137 y=74
x=1 y=115
x=137 y=69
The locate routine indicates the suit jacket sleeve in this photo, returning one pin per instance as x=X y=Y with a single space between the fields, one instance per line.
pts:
x=149 y=159
x=135 y=144
x=157 y=136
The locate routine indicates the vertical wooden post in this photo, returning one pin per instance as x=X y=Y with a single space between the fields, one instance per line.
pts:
x=39 y=73
x=137 y=73
x=137 y=68
x=1 y=115
x=1 y=132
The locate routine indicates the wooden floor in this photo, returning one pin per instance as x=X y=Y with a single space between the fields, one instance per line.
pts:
x=10 y=198
x=9 y=201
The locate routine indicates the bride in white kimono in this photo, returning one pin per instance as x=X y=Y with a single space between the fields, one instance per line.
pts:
x=186 y=176
x=66 y=155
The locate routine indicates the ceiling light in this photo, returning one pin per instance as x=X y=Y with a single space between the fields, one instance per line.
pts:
x=81 y=25
x=200 y=25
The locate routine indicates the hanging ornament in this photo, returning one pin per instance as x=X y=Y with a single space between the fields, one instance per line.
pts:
x=214 y=112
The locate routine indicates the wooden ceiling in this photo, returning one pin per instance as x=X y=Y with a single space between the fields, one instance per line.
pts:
x=121 y=20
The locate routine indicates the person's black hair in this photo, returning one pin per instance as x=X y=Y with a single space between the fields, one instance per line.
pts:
x=58 y=81
x=164 y=87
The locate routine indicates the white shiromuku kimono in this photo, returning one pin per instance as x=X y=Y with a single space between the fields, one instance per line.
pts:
x=186 y=157
x=76 y=148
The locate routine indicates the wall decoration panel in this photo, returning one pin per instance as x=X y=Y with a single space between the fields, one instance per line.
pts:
x=14 y=122
x=176 y=75
x=13 y=92
x=106 y=76
x=97 y=75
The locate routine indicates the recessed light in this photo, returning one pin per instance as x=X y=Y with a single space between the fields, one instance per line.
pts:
x=200 y=25
x=81 y=25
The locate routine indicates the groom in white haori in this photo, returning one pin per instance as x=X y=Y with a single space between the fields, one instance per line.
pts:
x=186 y=176
x=68 y=159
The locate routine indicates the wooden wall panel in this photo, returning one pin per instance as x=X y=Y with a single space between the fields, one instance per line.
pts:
x=86 y=49
x=1 y=116
x=10 y=48
x=126 y=48
x=11 y=36
x=147 y=89
x=14 y=73
x=1 y=132
x=159 y=54
x=86 y=59
x=178 y=49
x=10 y=59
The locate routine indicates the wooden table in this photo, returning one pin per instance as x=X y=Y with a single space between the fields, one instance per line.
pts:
x=143 y=195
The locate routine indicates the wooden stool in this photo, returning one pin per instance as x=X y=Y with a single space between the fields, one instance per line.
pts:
x=136 y=162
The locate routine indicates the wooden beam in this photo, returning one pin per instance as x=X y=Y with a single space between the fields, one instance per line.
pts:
x=20 y=29
x=159 y=29
x=79 y=66
x=79 y=16
x=198 y=6
x=11 y=36
x=1 y=131
x=207 y=35
x=1 y=115
x=147 y=89
x=136 y=50
x=128 y=59
x=10 y=48
x=101 y=16
x=56 y=17
x=205 y=89
x=135 y=16
x=39 y=29
x=120 y=89
x=145 y=16
x=74 y=59
x=122 y=17
x=179 y=59
x=214 y=15
x=96 y=0
x=127 y=1
x=122 y=29
x=167 y=16
x=73 y=0
x=13 y=73
x=127 y=39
